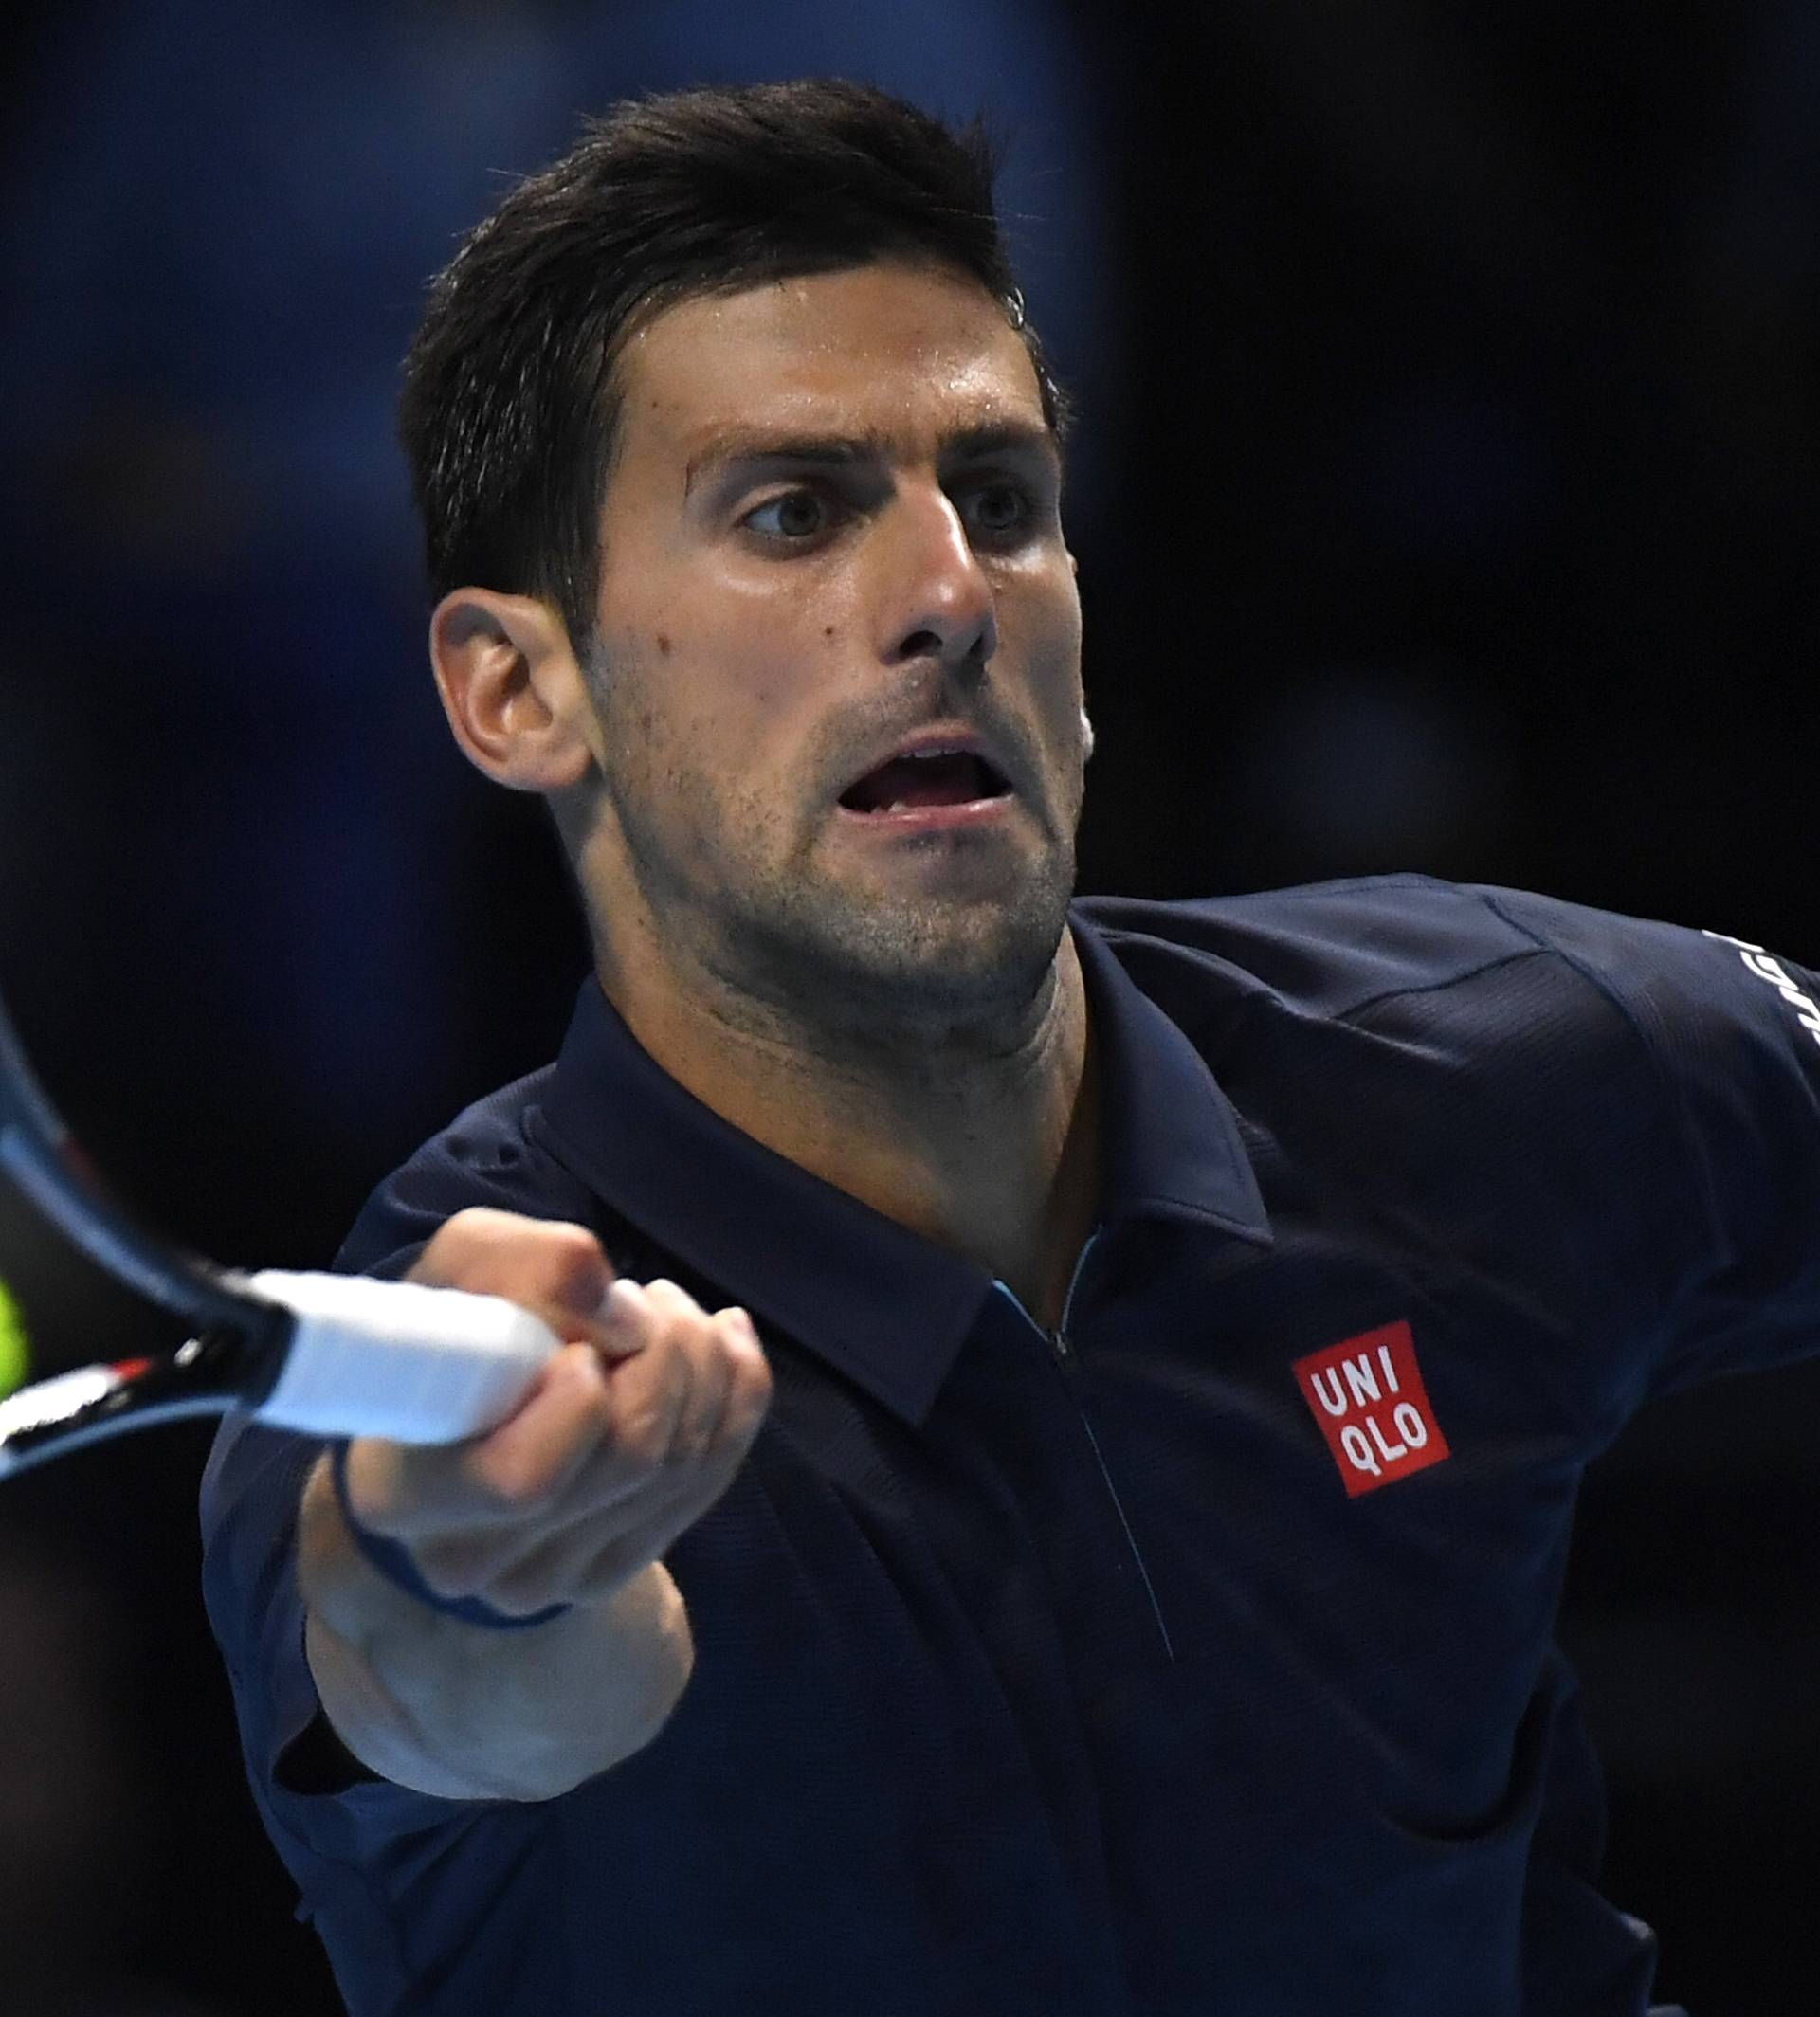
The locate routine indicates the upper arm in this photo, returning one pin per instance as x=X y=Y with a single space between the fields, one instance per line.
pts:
x=1733 y=1036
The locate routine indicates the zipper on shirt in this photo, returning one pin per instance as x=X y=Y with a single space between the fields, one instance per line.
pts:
x=1062 y=1351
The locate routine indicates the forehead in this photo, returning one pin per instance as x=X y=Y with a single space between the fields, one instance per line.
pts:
x=895 y=351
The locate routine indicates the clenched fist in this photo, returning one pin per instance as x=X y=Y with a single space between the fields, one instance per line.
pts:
x=633 y=1430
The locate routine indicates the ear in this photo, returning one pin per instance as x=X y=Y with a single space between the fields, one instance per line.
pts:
x=516 y=698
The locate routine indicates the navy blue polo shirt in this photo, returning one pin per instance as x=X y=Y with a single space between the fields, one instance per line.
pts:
x=1195 y=1656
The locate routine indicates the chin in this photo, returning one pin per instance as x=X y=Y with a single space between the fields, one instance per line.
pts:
x=893 y=962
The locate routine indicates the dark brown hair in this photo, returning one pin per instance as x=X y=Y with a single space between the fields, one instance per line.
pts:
x=509 y=406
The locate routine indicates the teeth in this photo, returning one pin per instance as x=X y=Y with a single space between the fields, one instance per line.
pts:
x=896 y=806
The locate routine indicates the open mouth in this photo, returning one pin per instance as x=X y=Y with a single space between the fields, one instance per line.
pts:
x=911 y=784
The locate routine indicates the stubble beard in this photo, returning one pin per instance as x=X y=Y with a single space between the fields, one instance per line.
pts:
x=874 y=968
x=855 y=970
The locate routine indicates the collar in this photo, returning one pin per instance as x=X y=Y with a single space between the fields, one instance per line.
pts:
x=886 y=1306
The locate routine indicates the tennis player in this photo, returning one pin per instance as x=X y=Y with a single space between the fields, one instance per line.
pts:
x=1055 y=1496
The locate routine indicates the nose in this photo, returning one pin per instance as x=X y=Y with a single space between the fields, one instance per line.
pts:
x=937 y=601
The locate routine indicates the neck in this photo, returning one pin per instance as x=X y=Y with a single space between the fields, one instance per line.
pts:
x=985 y=1141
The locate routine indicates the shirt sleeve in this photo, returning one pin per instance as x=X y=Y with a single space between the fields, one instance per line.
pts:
x=1733 y=1033
x=356 y=1845
x=362 y=1850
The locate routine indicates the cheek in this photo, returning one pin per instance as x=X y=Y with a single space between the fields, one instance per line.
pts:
x=695 y=756
x=1055 y=664
x=709 y=703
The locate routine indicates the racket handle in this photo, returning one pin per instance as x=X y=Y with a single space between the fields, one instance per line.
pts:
x=398 y=1358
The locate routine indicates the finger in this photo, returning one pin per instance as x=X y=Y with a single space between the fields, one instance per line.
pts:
x=649 y=1392
x=545 y=1264
x=598 y=1545
x=639 y=1453
x=733 y=1350
x=749 y=1387
x=708 y=1354
x=511 y=1486
x=586 y=1562
x=527 y=1464
x=409 y=1491
x=412 y=1491
x=717 y=1421
x=706 y=1343
x=626 y=1320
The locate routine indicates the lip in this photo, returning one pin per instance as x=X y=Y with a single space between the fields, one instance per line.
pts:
x=932 y=819
x=949 y=740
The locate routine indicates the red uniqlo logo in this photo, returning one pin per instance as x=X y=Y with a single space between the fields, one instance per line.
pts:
x=1368 y=1396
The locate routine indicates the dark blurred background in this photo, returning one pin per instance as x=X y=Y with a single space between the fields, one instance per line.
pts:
x=1444 y=500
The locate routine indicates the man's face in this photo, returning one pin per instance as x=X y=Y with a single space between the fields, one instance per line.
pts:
x=831 y=539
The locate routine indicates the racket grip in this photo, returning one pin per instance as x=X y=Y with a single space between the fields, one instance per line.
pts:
x=398 y=1358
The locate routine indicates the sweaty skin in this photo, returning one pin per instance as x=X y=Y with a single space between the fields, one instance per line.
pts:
x=833 y=520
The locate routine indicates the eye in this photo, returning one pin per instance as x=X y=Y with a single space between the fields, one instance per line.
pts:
x=998 y=509
x=791 y=517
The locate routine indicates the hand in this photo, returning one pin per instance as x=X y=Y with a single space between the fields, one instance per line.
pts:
x=632 y=1431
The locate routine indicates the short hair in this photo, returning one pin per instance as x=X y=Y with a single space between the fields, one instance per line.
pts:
x=510 y=409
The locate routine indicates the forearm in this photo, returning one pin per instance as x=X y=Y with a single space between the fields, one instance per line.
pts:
x=454 y=1710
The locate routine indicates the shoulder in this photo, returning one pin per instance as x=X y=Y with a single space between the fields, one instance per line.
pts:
x=1326 y=947
x=493 y=1153
x=1525 y=1016
x=1351 y=949
x=1547 y=1027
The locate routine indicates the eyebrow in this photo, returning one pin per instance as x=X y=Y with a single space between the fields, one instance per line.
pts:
x=733 y=447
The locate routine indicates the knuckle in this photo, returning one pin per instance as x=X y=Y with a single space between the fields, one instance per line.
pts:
x=481 y=1247
x=482 y=1226
x=566 y=1243
x=477 y=1226
x=460 y=1236
x=541 y=1264
x=676 y=1303
x=626 y=1307
x=652 y=1424
x=741 y=1337
x=567 y=1235
x=645 y=1439
x=751 y=1377
x=563 y=1263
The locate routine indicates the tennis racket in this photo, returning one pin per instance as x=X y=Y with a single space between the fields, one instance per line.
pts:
x=330 y=1355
